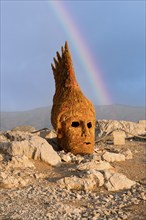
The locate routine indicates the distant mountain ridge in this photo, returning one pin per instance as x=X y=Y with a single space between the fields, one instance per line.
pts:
x=40 y=117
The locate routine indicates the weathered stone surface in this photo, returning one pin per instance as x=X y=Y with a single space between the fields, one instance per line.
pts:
x=22 y=148
x=142 y=122
x=32 y=146
x=47 y=134
x=87 y=182
x=119 y=137
x=10 y=178
x=130 y=128
x=111 y=157
x=17 y=135
x=70 y=157
x=2 y=138
x=99 y=176
x=1 y=157
x=128 y=154
x=102 y=165
x=117 y=181
x=20 y=162
x=94 y=179
x=73 y=115
x=66 y=158
x=45 y=152
x=24 y=128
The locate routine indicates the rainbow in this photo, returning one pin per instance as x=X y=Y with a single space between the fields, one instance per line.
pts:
x=85 y=55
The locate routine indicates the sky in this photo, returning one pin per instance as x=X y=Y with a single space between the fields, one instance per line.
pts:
x=106 y=40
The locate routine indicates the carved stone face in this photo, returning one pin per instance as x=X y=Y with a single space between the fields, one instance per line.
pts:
x=76 y=134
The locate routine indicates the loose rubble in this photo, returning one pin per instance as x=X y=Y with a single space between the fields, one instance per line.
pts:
x=38 y=182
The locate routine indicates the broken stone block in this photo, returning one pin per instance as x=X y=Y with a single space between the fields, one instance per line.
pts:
x=117 y=181
x=119 y=137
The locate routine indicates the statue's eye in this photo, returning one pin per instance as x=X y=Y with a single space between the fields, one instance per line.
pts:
x=75 y=124
x=89 y=125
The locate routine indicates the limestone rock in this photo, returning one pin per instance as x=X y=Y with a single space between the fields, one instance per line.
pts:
x=87 y=183
x=32 y=146
x=17 y=135
x=111 y=157
x=21 y=162
x=106 y=126
x=117 y=181
x=128 y=154
x=66 y=158
x=98 y=175
x=48 y=134
x=45 y=152
x=3 y=138
x=119 y=137
x=11 y=179
x=142 y=122
x=97 y=165
x=20 y=148
x=1 y=157
x=24 y=128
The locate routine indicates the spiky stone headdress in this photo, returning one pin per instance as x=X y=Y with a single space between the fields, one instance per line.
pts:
x=68 y=99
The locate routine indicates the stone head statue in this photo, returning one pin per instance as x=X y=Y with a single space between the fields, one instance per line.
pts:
x=73 y=115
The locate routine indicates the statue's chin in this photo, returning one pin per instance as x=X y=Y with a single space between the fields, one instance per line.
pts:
x=85 y=148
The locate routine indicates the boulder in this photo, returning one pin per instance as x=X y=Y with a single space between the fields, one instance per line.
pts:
x=117 y=181
x=32 y=146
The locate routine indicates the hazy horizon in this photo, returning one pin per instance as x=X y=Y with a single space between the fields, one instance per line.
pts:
x=50 y=106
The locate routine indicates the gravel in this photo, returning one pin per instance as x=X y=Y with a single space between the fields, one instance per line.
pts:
x=45 y=200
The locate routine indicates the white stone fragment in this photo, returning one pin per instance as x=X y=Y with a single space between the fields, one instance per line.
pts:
x=99 y=176
x=102 y=165
x=118 y=181
x=112 y=157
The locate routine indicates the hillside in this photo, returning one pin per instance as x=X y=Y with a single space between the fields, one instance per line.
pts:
x=40 y=117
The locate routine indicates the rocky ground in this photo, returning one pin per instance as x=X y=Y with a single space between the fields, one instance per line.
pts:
x=108 y=185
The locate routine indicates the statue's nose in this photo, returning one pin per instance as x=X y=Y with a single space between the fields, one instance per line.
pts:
x=85 y=131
